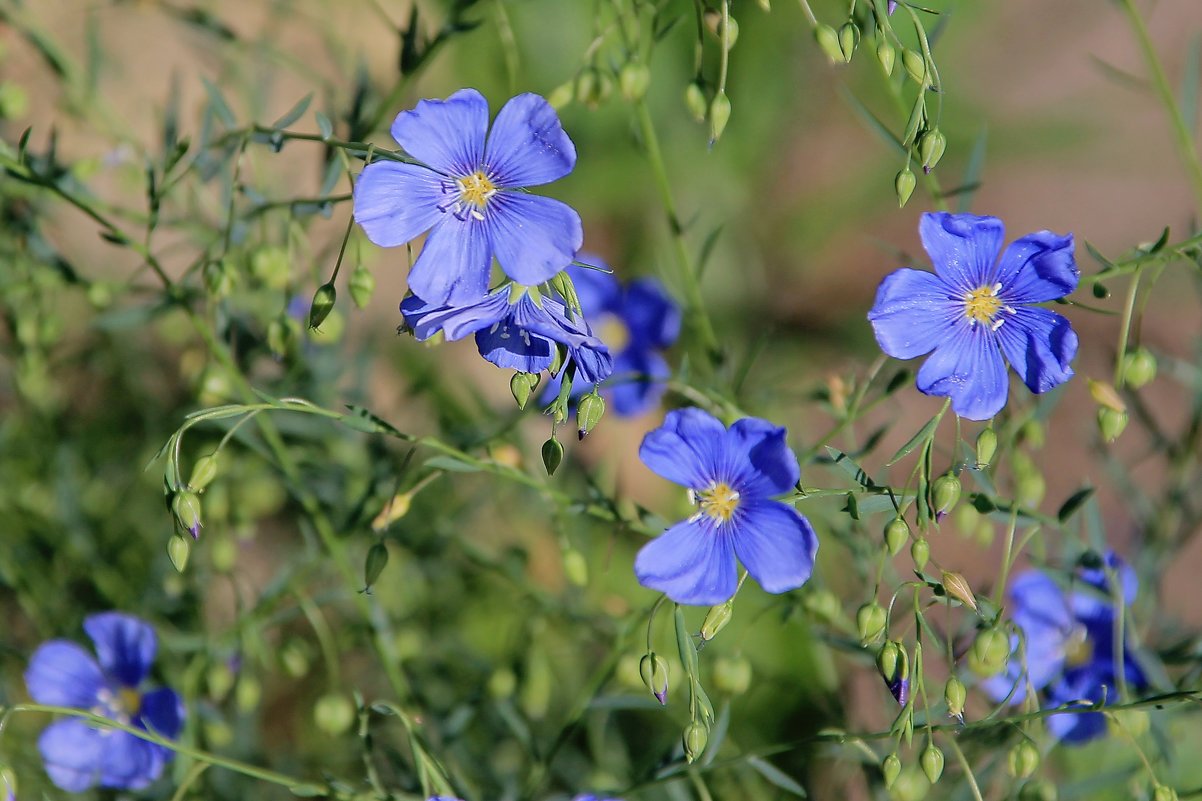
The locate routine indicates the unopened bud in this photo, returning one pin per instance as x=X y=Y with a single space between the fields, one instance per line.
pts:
x=575 y=567
x=362 y=285
x=719 y=115
x=870 y=621
x=587 y=91
x=694 y=100
x=373 y=566
x=203 y=472
x=931 y=148
x=178 y=548
x=247 y=693
x=897 y=533
x=1023 y=759
x=932 y=763
x=890 y=769
x=916 y=65
x=1038 y=790
x=334 y=713
x=1111 y=423
x=322 y=305
x=1030 y=489
x=766 y=5
x=986 y=447
x=989 y=653
x=849 y=40
x=502 y=683
x=894 y=665
x=822 y=604
x=521 y=385
x=1164 y=793
x=920 y=552
x=1106 y=395
x=945 y=492
x=186 y=508
x=552 y=455
x=714 y=21
x=828 y=40
x=732 y=674
x=633 y=80
x=1139 y=367
x=716 y=619
x=904 y=185
x=1033 y=434
x=588 y=413
x=280 y=336
x=886 y=55
x=396 y=508
x=695 y=738
x=561 y=95
x=956 y=586
x=954 y=694
x=654 y=672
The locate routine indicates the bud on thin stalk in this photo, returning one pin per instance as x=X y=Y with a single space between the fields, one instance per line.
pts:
x=886 y=54
x=955 y=695
x=362 y=285
x=920 y=552
x=719 y=116
x=956 y=586
x=694 y=100
x=589 y=412
x=696 y=736
x=904 y=185
x=932 y=762
x=203 y=472
x=552 y=453
x=716 y=620
x=890 y=769
x=323 y=304
x=828 y=41
x=186 y=508
x=849 y=40
x=986 y=447
x=654 y=672
x=897 y=533
x=870 y=621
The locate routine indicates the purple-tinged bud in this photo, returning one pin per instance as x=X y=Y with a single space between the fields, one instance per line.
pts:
x=892 y=6
x=894 y=664
x=654 y=672
x=186 y=508
x=8 y=784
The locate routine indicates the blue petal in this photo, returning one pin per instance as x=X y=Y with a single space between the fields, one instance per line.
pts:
x=125 y=645
x=1077 y=728
x=1037 y=268
x=1088 y=604
x=533 y=237
x=1040 y=345
x=686 y=448
x=454 y=264
x=757 y=460
x=61 y=673
x=969 y=368
x=129 y=762
x=691 y=562
x=446 y=134
x=962 y=247
x=632 y=387
x=1042 y=612
x=549 y=320
x=395 y=202
x=775 y=543
x=527 y=145
x=598 y=290
x=515 y=348
x=650 y=313
x=455 y=322
x=913 y=313
x=72 y=752
x=162 y=712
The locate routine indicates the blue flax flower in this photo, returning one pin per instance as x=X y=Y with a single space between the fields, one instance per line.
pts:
x=515 y=328
x=61 y=673
x=463 y=193
x=592 y=797
x=638 y=320
x=1069 y=645
x=732 y=475
x=975 y=307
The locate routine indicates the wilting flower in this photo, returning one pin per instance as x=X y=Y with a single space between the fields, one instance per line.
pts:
x=638 y=321
x=1069 y=647
x=732 y=475
x=61 y=673
x=515 y=328
x=462 y=192
x=975 y=307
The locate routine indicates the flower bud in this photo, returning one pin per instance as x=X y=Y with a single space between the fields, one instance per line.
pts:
x=766 y=5
x=219 y=277
x=654 y=672
x=714 y=22
x=1139 y=367
x=247 y=693
x=1032 y=434
x=915 y=65
x=178 y=548
x=931 y=148
x=373 y=566
x=334 y=713
x=694 y=100
x=828 y=40
x=322 y=305
x=870 y=621
x=904 y=185
x=220 y=680
x=989 y=653
x=587 y=91
x=822 y=604
x=1111 y=423
x=1030 y=489
x=732 y=674
x=955 y=695
x=886 y=55
x=502 y=683
x=521 y=385
x=897 y=533
x=849 y=40
x=362 y=285
x=695 y=738
x=185 y=506
x=575 y=567
x=890 y=768
x=932 y=762
x=920 y=552
x=1023 y=759
x=280 y=336
x=1038 y=790
x=271 y=266
x=716 y=620
x=894 y=664
x=396 y=508
x=588 y=413
x=945 y=492
x=561 y=95
x=719 y=115
x=986 y=447
x=552 y=455
x=1164 y=793
x=203 y=472
x=1106 y=395
x=633 y=80
x=956 y=586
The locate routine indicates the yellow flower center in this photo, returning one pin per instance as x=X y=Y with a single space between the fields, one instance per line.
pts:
x=1078 y=650
x=475 y=190
x=719 y=501
x=982 y=305
x=130 y=701
x=614 y=333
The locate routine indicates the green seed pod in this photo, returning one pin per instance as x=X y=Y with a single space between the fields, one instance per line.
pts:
x=334 y=713
x=271 y=266
x=588 y=413
x=986 y=447
x=220 y=680
x=185 y=506
x=203 y=472
x=732 y=674
x=719 y=115
x=373 y=566
x=1032 y=434
x=828 y=40
x=931 y=148
x=886 y=54
x=223 y=553
x=955 y=695
x=989 y=653
x=945 y=492
x=1038 y=790
x=1139 y=367
x=1030 y=490
x=822 y=604
x=561 y=95
x=696 y=735
x=633 y=80
x=890 y=768
x=587 y=91
x=521 y=385
x=654 y=672
x=295 y=658
x=280 y=336
x=920 y=552
x=716 y=620
x=694 y=100
x=575 y=567
x=1111 y=423
x=916 y=66
x=502 y=683
x=247 y=693
x=897 y=534
x=1023 y=759
x=713 y=21
x=870 y=621
x=1164 y=793
x=323 y=303
x=362 y=285
x=552 y=455
x=904 y=185
x=178 y=548
x=932 y=763
x=849 y=40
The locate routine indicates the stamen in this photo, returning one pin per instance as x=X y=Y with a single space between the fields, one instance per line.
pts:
x=981 y=305
x=719 y=501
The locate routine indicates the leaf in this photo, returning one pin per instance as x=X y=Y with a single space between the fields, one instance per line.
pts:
x=707 y=250
x=1098 y=257
x=848 y=466
x=452 y=464
x=218 y=104
x=684 y=644
x=361 y=419
x=925 y=433
x=293 y=114
x=899 y=380
x=776 y=776
x=1159 y=244
x=1074 y=502
x=323 y=124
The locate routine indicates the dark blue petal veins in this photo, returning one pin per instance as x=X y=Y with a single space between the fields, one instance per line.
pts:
x=447 y=135
x=691 y=562
x=775 y=543
x=757 y=461
x=454 y=264
x=914 y=311
x=527 y=145
x=1040 y=345
x=1038 y=268
x=962 y=247
x=533 y=237
x=125 y=645
x=968 y=367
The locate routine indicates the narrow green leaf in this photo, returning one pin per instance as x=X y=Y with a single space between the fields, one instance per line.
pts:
x=1098 y=257
x=684 y=644
x=323 y=124
x=925 y=433
x=848 y=466
x=452 y=464
x=777 y=777
x=1191 y=77
x=361 y=419
x=293 y=114
x=1074 y=502
x=218 y=104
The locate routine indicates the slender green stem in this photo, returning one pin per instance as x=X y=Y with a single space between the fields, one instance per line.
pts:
x=1125 y=329
x=809 y=12
x=999 y=592
x=972 y=780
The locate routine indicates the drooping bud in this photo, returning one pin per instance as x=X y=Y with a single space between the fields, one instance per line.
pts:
x=521 y=385
x=870 y=621
x=719 y=116
x=561 y=95
x=945 y=492
x=904 y=185
x=1033 y=434
x=716 y=620
x=502 y=683
x=362 y=285
x=1038 y=790
x=185 y=506
x=694 y=100
x=956 y=586
x=890 y=768
x=732 y=674
x=931 y=148
x=322 y=305
x=1030 y=489
x=1164 y=793
x=1106 y=395
x=203 y=472
x=373 y=566
x=1139 y=367
x=247 y=693
x=586 y=87
x=654 y=672
x=916 y=65
x=334 y=713
x=1023 y=759
x=989 y=653
x=1111 y=423
x=552 y=455
x=849 y=40
x=897 y=533
x=280 y=336
x=920 y=552
x=955 y=695
x=396 y=508
x=588 y=413
x=986 y=447
x=178 y=548
x=828 y=40
x=766 y=5
x=271 y=266
x=575 y=567
x=894 y=665
x=932 y=762
x=633 y=80
x=713 y=21
x=696 y=735
x=886 y=54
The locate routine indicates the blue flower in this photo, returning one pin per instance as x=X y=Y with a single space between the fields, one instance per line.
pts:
x=61 y=673
x=732 y=475
x=592 y=797
x=1069 y=647
x=638 y=320
x=975 y=307
x=462 y=192
x=515 y=328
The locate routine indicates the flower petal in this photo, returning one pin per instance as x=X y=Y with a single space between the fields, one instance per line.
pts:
x=757 y=460
x=1094 y=600
x=598 y=291
x=969 y=368
x=455 y=322
x=775 y=543
x=549 y=319
x=448 y=135
x=61 y=673
x=125 y=645
x=162 y=712
x=1076 y=728
x=686 y=448
x=395 y=202
x=1040 y=345
x=513 y=348
x=651 y=315
x=454 y=264
x=527 y=145
x=72 y=752
x=962 y=247
x=533 y=237
x=692 y=562
x=1037 y=268
x=637 y=382
x=913 y=313
x=1041 y=611
x=129 y=762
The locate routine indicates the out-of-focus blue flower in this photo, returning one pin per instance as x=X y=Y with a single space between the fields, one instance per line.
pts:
x=462 y=192
x=515 y=328
x=60 y=673
x=1069 y=643
x=637 y=321
x=591 y=797
x=732 y=475
x=975 y=307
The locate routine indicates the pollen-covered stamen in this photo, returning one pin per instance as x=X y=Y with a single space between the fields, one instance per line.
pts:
x=982 y=305
x=475 y=190
x=719 y=500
